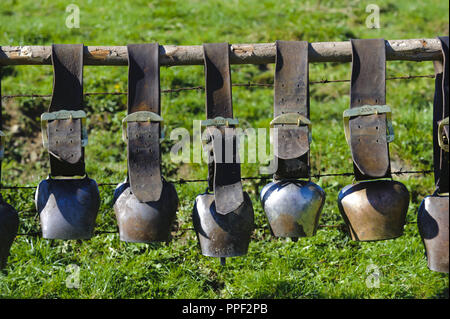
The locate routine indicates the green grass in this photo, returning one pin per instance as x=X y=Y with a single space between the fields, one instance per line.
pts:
x=328 y=265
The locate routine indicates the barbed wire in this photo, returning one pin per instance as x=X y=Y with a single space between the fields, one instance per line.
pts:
x=184 y=181
x=248 y=85
x=180 y=232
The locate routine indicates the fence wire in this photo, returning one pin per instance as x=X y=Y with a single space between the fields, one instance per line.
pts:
x=193 y=88
x=185 y=181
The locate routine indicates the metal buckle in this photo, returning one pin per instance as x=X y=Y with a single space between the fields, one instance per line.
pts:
x=141 y=116
x=369 y=110
x=2 y=145
x=220 y=121
x=64 y=115
x=293 y=119
x=442 y=137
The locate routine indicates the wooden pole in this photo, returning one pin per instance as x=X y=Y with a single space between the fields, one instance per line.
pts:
x=262 y=53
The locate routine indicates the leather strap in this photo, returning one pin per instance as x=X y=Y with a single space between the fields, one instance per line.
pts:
x=64 y=136
x=291 y=96
x=225 y=170
x=1 y=124
x=440 y=111
x=144 y=155
x=368 y=137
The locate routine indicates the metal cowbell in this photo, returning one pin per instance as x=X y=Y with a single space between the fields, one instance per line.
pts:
x=375 y=207
x=223 y=220
x=223 y=235
x=145 y=222
x=374 y=210
x=9 y=224
x=145 y=205
x=68 y=200
x=293 y=208
x=432 y=220
x=67 y=208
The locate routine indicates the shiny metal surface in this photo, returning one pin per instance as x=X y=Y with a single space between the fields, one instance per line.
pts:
x=145 y=222
x=432 y=220
x=374 y=210
x=293 y=208
x=67 y=208
x=223 y=235
x=9 y=223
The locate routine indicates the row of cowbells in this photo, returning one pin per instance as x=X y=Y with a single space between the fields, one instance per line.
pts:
x=374 y=208
x=293 y=209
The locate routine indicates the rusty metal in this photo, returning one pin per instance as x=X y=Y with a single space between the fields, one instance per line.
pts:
x=293 y=208
x=374 y=210
x=432 y=220
x=9 y=224
x=222 y=235
x=67 y=208
x=145 y=222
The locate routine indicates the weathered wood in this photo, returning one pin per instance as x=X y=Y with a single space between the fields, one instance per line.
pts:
x=260 y=53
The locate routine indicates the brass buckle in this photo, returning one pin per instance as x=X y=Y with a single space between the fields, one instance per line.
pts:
x=2 y=145
x=369 y=110
x=442 y=138
x=220 y=121
x=141 y=116
x=64 y=115
x=293 y=119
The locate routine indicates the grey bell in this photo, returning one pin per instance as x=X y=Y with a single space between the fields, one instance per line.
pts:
x=432 y=220
x=374 y=210
x=223 y=235
x=145 y=222
x=67 y=208
x=9 y=224
x=293 y=207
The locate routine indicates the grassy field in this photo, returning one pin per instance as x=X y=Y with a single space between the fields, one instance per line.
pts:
x=328 y=265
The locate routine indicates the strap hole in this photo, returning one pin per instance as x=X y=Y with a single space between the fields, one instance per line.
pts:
x=376 y=127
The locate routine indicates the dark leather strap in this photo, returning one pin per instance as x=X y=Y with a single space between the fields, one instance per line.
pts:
x=225 y=171
x=64 y=136
x=144 y=156
x=440 y=111
x=1 y=123
x=291 y=95
x=368 y=137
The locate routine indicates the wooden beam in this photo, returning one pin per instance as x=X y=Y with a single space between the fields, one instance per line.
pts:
x=262 y=53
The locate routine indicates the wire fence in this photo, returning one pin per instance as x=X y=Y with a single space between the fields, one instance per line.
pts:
x=193 y=88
